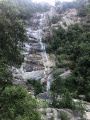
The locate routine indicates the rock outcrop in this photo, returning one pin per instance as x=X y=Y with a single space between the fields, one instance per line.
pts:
x=54 y=114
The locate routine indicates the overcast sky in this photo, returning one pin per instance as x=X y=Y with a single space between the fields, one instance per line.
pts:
x=51 y=1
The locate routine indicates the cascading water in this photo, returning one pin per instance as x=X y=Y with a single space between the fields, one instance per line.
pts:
x=36 y=64
x=44 y=54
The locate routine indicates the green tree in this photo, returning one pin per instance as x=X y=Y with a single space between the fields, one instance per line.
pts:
x=18 y=104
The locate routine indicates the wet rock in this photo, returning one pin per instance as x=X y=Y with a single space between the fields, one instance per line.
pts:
x=33 y=67
x=31 y=36
x=45 y=96
x=34 y=22
x=33 y=40
x=36 y=47
x=34 y=75
x=29 y=68
x=26 y=46
x=82 y=97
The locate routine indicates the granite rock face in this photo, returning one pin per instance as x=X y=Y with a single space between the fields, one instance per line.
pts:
x=37 y=63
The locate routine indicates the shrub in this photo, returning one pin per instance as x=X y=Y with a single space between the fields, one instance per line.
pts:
x=54 y=20
x=80 y=107
x=49 y=49
x=52 y=118
x=59 y=50
x=37 y=86
x=64 y=23
x=64 y=115
x=17 y=104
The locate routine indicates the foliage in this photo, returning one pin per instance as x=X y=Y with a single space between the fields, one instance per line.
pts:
x=18 y=104
x=64 y=23
x=52 y=118
x=58 y=85
x=37 y=86
x=74 y=43
x=15 y=103
x=5 y=76
x=65 y=6
x=80 y=106
x=11 y=33
x=54 y=20
x=64 y=115
x=82 y=7
x=42 y=104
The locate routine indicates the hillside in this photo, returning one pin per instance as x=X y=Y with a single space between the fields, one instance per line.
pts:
x=44 y=60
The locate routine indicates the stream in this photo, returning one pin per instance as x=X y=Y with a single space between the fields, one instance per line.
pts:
x=44 y=54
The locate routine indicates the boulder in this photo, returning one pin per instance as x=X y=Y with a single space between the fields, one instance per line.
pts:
x=45 y=96
x=65 y=74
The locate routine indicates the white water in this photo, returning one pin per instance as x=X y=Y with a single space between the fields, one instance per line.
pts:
x=44 y=54
x=22 y=74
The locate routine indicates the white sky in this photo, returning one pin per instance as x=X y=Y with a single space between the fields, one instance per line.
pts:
x=51 y=1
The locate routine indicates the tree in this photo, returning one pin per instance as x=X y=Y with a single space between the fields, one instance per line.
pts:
x=18 y=104
x=75 y=44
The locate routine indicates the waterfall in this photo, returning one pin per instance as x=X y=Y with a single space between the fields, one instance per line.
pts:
x=44 y=54
x=34 y=48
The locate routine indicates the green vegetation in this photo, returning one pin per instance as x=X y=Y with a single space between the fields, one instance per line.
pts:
x=71 y=45
x=52 y=118
x=64 y=23
x=37 y=86
x=64 y=115
x=54 y=20
x=80 y=5
x=44 y=112
x=74 y=43
x=65 y=6
x=12 y=32
x=17 y=104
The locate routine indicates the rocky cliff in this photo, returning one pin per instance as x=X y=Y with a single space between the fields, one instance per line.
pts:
x=37 y=63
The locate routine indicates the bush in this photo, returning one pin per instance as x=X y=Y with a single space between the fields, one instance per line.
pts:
x=59 y=50
x=54 y=20
x=52 y=118
x=63 y=57
x=37 y=86
x=63 y=115
x=49 y=49
x=80 y=107
x=64 y=23
x=18 y=104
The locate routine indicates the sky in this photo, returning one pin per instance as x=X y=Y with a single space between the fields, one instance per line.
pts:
x=51 y=1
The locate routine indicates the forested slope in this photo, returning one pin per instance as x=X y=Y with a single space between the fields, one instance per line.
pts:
x=71 y=46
